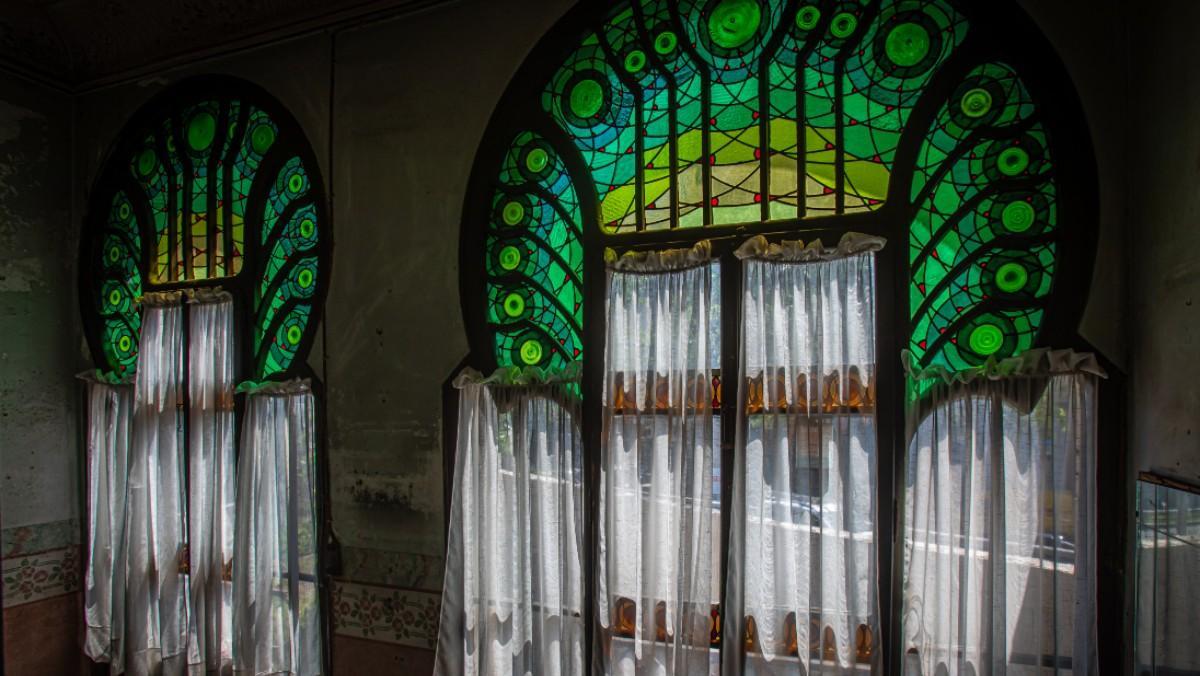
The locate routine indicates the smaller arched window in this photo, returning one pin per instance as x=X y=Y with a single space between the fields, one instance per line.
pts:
x=211 y=184
x=204 y=263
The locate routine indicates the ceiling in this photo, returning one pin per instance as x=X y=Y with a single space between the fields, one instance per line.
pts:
x=80 y=44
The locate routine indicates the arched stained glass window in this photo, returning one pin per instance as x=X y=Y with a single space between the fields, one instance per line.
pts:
x=944 y=125
x=211 y=184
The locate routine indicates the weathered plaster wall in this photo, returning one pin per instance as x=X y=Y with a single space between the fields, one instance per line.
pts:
x=1164 y=250
x=38 y=348
x=1091 y=37
x=39 y=338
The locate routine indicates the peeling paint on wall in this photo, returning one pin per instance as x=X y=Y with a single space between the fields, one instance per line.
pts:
x=38 y=447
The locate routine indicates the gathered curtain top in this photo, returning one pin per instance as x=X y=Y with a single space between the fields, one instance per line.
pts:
x=213 y=294
x=1036 y=363
x=796 y=251
x=516 y=375
x=698 y=254
x=276 y=388
x=203 y=294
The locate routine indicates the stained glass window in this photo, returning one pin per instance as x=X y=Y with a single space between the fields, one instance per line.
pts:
x=678 y=118
x=211 y=184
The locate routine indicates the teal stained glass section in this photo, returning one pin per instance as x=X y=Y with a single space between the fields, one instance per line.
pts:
x=982 y=247
x=119 y=286
x=709 y=113
x=535 y=259
x=193 y=176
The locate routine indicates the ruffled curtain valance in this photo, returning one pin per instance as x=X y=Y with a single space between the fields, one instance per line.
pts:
x=1036 y=363
x=516 y=376
x=659 y=261
x=796 y=251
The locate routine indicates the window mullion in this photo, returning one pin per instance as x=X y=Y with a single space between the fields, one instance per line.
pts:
x=731 y=316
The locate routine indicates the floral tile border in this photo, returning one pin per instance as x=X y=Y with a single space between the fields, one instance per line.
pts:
x=402 y=616
x=41 y=537
x=41 y=576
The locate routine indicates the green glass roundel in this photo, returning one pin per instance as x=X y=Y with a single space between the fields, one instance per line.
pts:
x=510 y=258
x=124 y=211
x=305 y=279
x=587 y=98
x=531 y=351
x=114 y=297
x=1018 y=216
x=907 y=44
x=665 y=43
x=1013 y=161
x=635 y=61
x=294 y=334
x=733 y=23
x=125 y=343
x=986 y=339
x=307 y=228
x=976 y=102
x=295 y=183
x=1011 y=277
x=514 y=305
x=514 y=213
x=844 y=24
x=114 y=254
x=262 y=138
x=808 y=17
x=201 y=131
x=146 y=162
x=536 y=160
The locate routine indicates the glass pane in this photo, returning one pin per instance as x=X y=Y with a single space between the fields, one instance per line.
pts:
x=1167 y=563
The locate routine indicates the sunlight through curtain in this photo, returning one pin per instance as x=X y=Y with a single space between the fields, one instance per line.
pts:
x=999 y=520
x=276 y=604
x=513 y=597
x=802 y=575
x=211 y=498
x=110 y=410
x=156 y=589
x=654 y=579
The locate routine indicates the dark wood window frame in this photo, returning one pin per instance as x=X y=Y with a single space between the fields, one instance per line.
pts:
x=1033 y=57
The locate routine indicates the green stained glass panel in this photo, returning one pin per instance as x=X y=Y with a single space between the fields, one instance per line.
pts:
x=709 y=113
x=180 y=188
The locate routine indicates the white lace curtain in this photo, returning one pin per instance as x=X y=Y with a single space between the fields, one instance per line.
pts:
x=155 y=603
x=802 y=580
x=276 y=604
x=512 y=603
x=110 y=412
x=211 y=497
x=654 y=582
x=999 y=522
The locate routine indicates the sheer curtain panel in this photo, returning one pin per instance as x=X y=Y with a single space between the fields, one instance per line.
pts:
x=999 y=518
x=210 y=481
x=155 y=603
x=110 y=412
x=654 y=583
x=276 y=604
x=802 y=584
x=512 y=603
